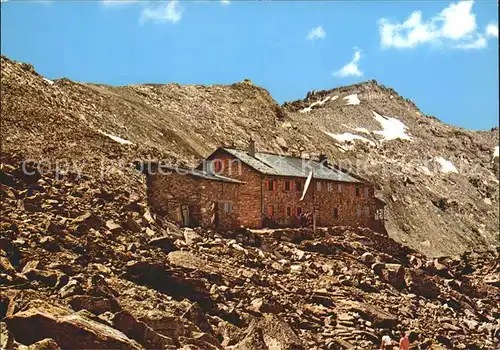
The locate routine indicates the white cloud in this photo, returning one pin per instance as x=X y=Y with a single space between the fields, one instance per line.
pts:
x=38 y=2
x=492 y=30
x=479 y=43
x=351 y=69
x=316 y=33
x=164 y=12
x=393 y=35
x=454 y=26
x=458 y=20
x=117 y=2
x=225 y=2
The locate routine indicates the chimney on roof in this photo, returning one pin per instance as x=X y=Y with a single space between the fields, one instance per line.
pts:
x=323 y=159
x=251 y=147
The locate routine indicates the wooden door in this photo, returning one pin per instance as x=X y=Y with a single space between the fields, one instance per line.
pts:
x=185 y=215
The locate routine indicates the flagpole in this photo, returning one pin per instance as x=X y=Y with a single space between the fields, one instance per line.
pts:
x=306 y=186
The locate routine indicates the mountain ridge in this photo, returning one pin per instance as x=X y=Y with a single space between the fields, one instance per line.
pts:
x=249 y=81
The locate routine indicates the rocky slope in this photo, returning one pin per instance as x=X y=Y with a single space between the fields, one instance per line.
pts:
x=85 y=264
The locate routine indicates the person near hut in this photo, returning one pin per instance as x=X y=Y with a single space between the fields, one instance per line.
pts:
x=386 y=343
x=404 y=342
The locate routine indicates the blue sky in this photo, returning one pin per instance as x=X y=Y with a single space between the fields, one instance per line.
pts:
x=442 y=55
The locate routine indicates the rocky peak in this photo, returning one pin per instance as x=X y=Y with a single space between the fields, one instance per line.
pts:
x=368 y=90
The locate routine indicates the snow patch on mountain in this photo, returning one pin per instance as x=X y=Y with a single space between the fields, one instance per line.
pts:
x=446 y=165
x=318 y=103
x=352 y=99
x=117 y=139
x=393 y=128
x=50 y=82
x=495 y=152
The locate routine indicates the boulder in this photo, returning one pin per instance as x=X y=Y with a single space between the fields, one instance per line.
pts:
x=7 y=303
x=196 y=315
x=68 y=329
x=264 y=306
x=45 y=344
x=252 y=340
x=322 y=298
x=148 y=217
x=200 y=341
x=416 y=262
x=73 y=287
x=50 y=244
x=98 y=287
x=420 y=284
x=191 y=237
x=442 y=269
x=173 y=230
x=113 y=227
x=6 y=337
x=150 y=232
x=367 y=258
x=85 y=222
x=339 y=344
x=6 y=267
x=445 y=341
x=166 y=280
x=247 y=237
x=133 y=206
x=188 y=260
x=281 y=142
x=270 y=332
x=165 y=324
x=394 y=274
x=379 y=317
x=377 y=268
x=165 y=243
x=229 y=333
x=96 y=305
x=32 y=264
x=493 y=279
x=132 y=225
x=140 y=331
x=48 y=278
x=12 y=252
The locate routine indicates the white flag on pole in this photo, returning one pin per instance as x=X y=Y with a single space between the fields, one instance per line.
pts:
x=306 y=186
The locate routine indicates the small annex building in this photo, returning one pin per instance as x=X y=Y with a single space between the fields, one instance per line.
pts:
x=192 y=197
x=234 y=187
